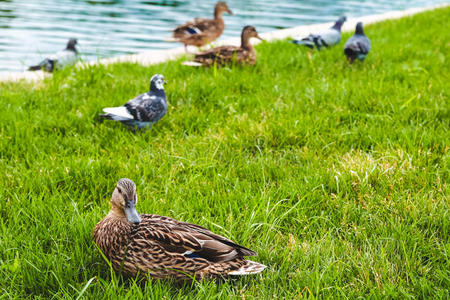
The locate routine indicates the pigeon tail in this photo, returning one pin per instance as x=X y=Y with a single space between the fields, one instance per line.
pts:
x=46 y=65
x=251 y=267
x=107 y=116
x=115 y=118
x=117 y=114
x=35 y=68
x=319 y=42
x=305 y=42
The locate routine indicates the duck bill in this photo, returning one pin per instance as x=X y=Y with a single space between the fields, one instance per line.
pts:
x=131 y=212
x=260 y=38
x=230 y=12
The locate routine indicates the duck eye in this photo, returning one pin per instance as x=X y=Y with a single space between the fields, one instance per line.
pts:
x=119 y=190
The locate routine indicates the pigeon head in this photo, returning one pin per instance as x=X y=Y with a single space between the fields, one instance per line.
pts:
x=359 y=28
x=71 y=44
x=157 y=83
x=220 y=8
x=124 y=200
x=339 y=23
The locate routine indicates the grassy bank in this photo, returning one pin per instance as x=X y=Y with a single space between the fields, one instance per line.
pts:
x=336 y=174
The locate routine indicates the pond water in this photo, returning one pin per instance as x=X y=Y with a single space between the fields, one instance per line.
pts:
x=32 y=29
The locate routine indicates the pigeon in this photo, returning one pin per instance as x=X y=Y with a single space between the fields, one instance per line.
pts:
x=59 y=60
x=357 y=46
x=144 y=110
x=326 y=38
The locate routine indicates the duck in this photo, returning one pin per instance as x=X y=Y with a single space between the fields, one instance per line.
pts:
x=159 y=247
x=223 y=55
x=201 y=32
x=59 y=60
x=144 y=110
x=326 y=38
x=358 y=45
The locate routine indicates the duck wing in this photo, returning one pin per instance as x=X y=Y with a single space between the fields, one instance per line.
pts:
x=205 y=24
x=223 y=51
x=190 y=240
x=199 y=26
x=218 y=54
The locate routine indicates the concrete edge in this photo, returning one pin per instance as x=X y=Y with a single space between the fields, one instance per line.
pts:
x=158 y=56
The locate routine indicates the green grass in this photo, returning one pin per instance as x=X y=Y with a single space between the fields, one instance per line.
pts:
x=336 y=174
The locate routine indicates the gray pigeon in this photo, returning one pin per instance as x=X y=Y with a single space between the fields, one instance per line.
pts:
x=59 y=60
x=326 y=38
x=144 y=110
x=357 y=46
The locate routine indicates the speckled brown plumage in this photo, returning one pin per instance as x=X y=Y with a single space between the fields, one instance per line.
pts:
x=202 y=31
x=166 y=248
x=245 y=54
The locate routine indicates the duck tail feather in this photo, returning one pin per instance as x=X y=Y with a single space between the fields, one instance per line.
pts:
x=171 y=40
x=192 y=64
x=251 y=267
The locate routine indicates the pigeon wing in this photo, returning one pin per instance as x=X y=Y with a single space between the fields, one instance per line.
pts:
x=358 y=44
x=146 y=108
x=331 y=37
x=155 y=109
x=64 y=58
x=364 y=44
x=350 y=42
x=307 y=41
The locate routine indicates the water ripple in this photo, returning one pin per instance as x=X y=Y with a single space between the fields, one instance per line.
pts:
x=32 y=29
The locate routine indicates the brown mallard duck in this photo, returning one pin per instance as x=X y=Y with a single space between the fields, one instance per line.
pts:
x=202 y=31
x=223 y=55
x=163 y=247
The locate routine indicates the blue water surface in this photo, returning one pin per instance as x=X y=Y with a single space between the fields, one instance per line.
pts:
x=33 y=29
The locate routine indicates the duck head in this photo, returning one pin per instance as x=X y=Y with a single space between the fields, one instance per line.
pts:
x=157 y=83
x=124 y=200
x=247 y=33
x=220 y=8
